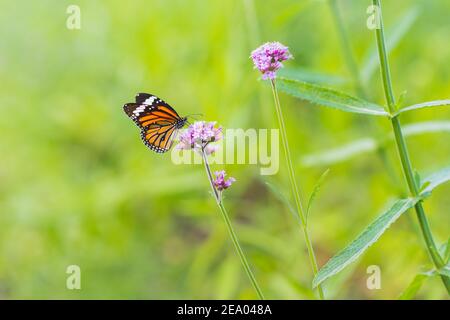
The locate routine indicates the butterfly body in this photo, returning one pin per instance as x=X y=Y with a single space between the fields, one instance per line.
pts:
x=158 y=121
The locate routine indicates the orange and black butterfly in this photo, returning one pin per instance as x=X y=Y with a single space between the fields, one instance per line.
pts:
x=158 y=121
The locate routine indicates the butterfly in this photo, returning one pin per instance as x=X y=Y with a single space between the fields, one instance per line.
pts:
x=158 y=121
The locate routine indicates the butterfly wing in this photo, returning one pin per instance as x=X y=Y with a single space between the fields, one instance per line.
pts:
x=159 y=139
x=157 y=120
x=149 y=109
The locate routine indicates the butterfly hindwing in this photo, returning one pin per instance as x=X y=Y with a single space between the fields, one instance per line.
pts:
x=159 y=139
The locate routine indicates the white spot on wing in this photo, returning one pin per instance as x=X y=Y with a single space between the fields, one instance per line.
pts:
x=139 y=109
x=150 y=100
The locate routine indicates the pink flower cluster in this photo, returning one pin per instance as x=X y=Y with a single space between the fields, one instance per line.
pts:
x=268 y=57
x=198 y=136
x=220 y=183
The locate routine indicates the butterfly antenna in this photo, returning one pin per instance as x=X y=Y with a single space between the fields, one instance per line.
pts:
x=195 y=116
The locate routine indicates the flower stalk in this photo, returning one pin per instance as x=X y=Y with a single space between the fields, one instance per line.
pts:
x=268 y=59
x=294 y=186
x=199 y=137
x=403 y=151
x=218 y=197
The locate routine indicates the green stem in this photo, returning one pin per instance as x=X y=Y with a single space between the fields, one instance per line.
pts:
x=234 y=238
x=403 y=150
x=294 y=187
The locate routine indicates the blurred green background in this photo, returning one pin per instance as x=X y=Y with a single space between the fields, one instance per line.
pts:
x=77 y=186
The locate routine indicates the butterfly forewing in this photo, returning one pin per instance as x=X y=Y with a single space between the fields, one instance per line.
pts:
x=157 y=119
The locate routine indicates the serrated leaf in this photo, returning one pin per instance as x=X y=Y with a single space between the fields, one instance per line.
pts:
x=429 y=104
x=360 y=146
x=315 y=191
x=393 y=37
x=328 y=97
x=435 y=180
x=411 y=291
x=369 y=236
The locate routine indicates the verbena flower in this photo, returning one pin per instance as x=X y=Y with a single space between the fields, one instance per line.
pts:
x=220 y=183
x=210 y=149
x=199 y=135
x=268 y=57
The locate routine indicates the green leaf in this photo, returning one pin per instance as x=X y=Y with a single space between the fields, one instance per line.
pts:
x=417 y=178
x=429 y=104
x=442 y=249
x=424 y=185
x=311 y=76
x=393 y=37
x=280 y=196
x=415 y=285
x=435 y=180
x=400 y=100
x=315 y=191
x=327 y=97
x=364 y=145
x=339 y=283
x=445 y=270
x=369 y=236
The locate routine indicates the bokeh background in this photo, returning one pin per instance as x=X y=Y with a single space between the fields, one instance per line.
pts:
x=77 y=186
